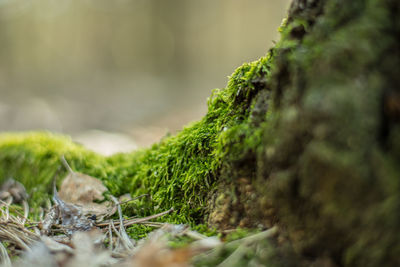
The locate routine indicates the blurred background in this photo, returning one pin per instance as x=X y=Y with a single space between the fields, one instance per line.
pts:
x=139 y=68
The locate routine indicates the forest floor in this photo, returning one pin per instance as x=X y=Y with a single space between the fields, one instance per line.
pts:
x=84 y=224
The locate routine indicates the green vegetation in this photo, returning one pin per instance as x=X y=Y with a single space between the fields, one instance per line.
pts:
x=178 y=172
x=330 y=164
x=306 y=138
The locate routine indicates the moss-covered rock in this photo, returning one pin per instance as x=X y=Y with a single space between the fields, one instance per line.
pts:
x=306 y=138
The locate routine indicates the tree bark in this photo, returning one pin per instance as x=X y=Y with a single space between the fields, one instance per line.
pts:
x=329 y=168
x=307 y=138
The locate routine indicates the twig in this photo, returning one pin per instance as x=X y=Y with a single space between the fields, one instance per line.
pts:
x=136 y=220
x=125 y=238
x=246 y=241
x=26 y=211
x=15 y=238
x=66 y=165
x=132 y=199
x=110 y=237
x=153 y=224
x=116 y=231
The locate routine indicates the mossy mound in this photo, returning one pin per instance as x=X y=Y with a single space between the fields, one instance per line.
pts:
x=306 y=138
x=180 y=171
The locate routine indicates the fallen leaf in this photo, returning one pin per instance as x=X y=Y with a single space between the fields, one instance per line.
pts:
x=38 y=255
x=14 y=189
x=83 y=190
x=56 y=247
x=84 y=249
x=79 y=188
x=155 y=251
x=69 y=217
x=89 y=250
x=158 y=254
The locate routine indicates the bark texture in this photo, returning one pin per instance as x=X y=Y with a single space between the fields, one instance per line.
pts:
x=329 y=168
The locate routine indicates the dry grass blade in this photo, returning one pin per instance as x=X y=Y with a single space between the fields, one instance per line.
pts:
x=26 y=211
x=12 y=229
x=5 y=259
x=234 y=257
x=123 y=235
x=132 y=199
x=140 y=220
x=256 y=237
x=11 y=234
x=66 y=165
x=116 y=232
x=244 y=244
x=153 y=224
x=110 y=236
x=79 y=246
x=129 y=222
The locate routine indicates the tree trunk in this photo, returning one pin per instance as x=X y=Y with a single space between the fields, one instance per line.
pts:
x=306 y=138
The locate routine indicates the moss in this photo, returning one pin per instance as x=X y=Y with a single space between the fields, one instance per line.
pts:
x=138 y=231
x=326 y=147
x=180 y=171
x=34 y=159
x=239 y=233
x=306 y=137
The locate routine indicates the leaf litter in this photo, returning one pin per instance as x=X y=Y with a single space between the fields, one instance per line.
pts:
x=81 y=189
x=77 y=231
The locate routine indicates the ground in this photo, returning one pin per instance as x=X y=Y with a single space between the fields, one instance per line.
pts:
x=306 y=138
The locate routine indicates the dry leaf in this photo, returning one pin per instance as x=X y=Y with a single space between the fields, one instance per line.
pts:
x=79 y=188
x=154 y=250
x=83 y=190
x=69 y=216
x=85 y=250
x=38 y=255
x=14 y=189
x=56 y=247
x=88 y=250
x=158 y=254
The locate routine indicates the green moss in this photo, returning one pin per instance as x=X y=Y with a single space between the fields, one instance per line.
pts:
x=306 y=137
x=34 y=159
x=239 y=233
x=138 y=231
x=324 y=151
x=178 y=172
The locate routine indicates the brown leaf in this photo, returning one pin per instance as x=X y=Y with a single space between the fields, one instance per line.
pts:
x=81 y=189
x=155 y=251
x=89 y=250
x=158 y=254
x=14 y=189
x=69 y=216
